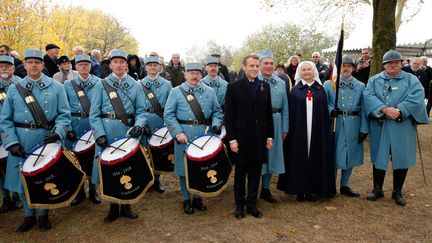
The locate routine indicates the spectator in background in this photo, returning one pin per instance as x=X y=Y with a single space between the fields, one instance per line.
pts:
x=322 y=69
x=6 y=50
x=415 y=69
x=96 y=58
x=363 y=66
x=50 y=59
x=405 y=62
x=280 y=70
x=66 y=72
x=134 y=67
x=292 y=68
x=78 y=50
x=175 y=70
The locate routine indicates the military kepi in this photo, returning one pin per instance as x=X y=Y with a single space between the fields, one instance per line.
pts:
x=149 y=60
x=33 y=53
x=118 y=53
x=82 y=58
x=6 y=59
x=211 y=60
x=266 y=54
x=193 y=66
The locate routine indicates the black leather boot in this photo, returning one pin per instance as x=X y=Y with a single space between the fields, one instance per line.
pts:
x=378 y=180
x=254 y=212
x=126 y=211
x=267 y=195
x=93 y=196
x=157 y=186
x=81 y=196
x=44 y=223
x=28 y=223
x=398 y=181
x=345 y=190
x=6 y=206
x=16 y=203
x=187 y=207
x=198 y=204
x=239 y=212
x=113 y=213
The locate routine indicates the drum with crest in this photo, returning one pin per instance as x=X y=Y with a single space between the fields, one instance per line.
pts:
x=51 y=176
x=84 y=149
x=3 y=160
x=207 y=165
x=161 y=149
x=125 y=172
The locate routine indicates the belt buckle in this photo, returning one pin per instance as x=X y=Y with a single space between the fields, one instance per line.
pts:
x=83 y=114
x=195 y=122
x=112 y=116
x=33 y=125
x=151 y=110
x=344 y=113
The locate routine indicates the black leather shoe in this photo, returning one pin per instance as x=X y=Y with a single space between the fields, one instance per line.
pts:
x=157 y=186
x=6 y=206
x=345 y=190
x=94 y=197
x=300 y=198
x=198 y=204
x=113 y=213
x=187 y=207
x=239 y=213
x=28 y=223
x=44 y=223
x=81 y=196
x=398 y=198
x=376 y=194
x=267 y=196
x=254 y=212
x=16 y=203
x=126 y=211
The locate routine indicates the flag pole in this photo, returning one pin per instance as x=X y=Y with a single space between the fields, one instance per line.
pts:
x=338 y=65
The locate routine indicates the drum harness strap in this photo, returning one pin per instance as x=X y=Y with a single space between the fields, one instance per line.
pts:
x=83 y=99
x=196 y=109
x=154 y=101
x=120 y=112
x=35 y=109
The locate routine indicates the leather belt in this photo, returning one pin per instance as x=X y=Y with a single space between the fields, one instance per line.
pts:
x=51 y=124
x=276 y=110
x=348 y=113
x=152 y=110
x=195 y=122
x=79 y=114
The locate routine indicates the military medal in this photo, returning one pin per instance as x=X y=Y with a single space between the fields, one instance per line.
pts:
x=113 y=95
x=190 y=97
x=81 y=93
x=150 y=96
x=29 y=99
x=2 y=96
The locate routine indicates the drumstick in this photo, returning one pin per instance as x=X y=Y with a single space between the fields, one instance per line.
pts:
x=117 y=148
x=154 y=134
x=206 y=142
x=39 y=155
x=196 y=145
x=163 y=137
x=120 y=145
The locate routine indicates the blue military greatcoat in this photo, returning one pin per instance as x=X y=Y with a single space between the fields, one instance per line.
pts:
x=161 y=89
x=177 y=107
x=52 y=99
x=398 y=138
x=349 y=153
x=279 y=99
x=130 y=93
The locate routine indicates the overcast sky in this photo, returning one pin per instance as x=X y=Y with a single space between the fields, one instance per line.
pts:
x=169 y=26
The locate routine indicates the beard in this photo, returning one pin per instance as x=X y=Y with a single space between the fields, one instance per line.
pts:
x=4 y=75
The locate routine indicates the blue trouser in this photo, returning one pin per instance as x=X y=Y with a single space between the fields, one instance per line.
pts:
x=345 y=176
x=184 y=191
x=32 y=212
x=266 y=179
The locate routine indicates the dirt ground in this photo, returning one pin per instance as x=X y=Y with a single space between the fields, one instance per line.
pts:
x=342 y=219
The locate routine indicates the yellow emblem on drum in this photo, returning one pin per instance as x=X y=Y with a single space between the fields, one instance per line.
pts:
x=212 y=175
x=125 y=180
x=190 y=97
x=52 y=188
x=81 y=93
x=113 y=95
x=150 y=96
x=171 y=158
x=29 y=99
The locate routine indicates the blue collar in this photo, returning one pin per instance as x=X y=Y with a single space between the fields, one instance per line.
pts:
x=199 y=87
x=125 y=83
x=148 y=82
x=212 y=82
x=85 y=83
x=41 y=83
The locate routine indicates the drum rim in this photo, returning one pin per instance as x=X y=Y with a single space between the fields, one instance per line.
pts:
x=171 y=142
x=119 y=160
x=47 y=166
x=200 y=159
x=87 y=149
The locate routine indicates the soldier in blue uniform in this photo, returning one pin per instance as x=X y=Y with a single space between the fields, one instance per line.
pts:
x=394 y=104
x=279 y=100
x=107 y=125
x=21 y=132
x=184 y=126
x=214 y=81
x=7 y=78
x=161 y=88
x=351 y=123
x=84 y=82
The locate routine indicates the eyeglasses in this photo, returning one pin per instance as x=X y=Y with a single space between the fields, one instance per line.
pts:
x=315 y=57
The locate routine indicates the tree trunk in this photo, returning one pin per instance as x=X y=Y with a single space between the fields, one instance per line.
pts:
x=384 y=31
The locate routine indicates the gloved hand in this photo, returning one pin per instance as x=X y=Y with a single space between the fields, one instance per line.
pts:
x=71 y=136
x=17 y=150
x=102 y=142
x=51 y=138
x=216 y=130
x=135 y=132
x=146 y=130
x=362 y=137
x=334 y=113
